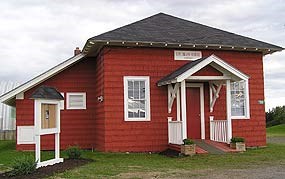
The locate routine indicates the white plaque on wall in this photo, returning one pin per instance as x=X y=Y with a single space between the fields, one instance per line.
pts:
x=187 y=55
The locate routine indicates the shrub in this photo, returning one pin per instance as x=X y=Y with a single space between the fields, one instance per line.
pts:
x=73 y=152
x=188 y=142
x=23 y=166
x=237 y=139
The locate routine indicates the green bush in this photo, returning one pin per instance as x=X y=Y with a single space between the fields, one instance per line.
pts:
x=237 y=139
x=188 y=142
x=73 y=152
x=23 y=166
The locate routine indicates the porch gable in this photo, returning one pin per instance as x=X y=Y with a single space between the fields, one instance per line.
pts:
x=189 y=70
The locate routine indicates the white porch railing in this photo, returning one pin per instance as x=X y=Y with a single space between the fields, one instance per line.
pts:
x=218 y=130
x=174 y=131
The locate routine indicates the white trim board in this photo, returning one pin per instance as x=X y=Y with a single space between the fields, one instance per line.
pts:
x=42 y=77
x=206 y=62
x=25 y=134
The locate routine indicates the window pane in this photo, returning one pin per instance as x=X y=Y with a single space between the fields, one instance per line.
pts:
x=142 y=89
x=136 y=89
x=238 y=98
x=130 y=104
x=76 y=101
x=130 y=89
x=130 y=114
x=142 y=105
x=136 y=113
x=136 y=104
x=142 y=114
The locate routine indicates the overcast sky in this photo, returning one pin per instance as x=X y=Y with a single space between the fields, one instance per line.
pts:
x=37 y=35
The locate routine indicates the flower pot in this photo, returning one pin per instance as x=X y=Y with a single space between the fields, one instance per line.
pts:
x=240 y=146
x=233 y=145
x=188 y=149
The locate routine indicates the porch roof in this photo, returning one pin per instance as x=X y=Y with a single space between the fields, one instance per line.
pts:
x=46 y=92
x=185 y=71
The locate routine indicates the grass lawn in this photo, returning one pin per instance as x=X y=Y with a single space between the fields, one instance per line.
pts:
x=276 y=131
x=107 y=165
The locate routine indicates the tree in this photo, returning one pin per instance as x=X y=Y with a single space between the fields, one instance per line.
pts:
x=275 y=116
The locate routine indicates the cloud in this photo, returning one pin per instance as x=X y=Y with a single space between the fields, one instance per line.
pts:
x=36 y=35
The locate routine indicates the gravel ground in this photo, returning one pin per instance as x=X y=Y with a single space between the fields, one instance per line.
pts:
x=276 y=140
x=260 y=172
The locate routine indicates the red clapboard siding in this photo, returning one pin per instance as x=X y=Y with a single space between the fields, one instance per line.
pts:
x=208 y=71
x=156 y=63
x=78 y=127
x=102 y=125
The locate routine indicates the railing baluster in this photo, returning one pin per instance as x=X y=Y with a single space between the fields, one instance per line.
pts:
x=174 y=132
x=218 y=130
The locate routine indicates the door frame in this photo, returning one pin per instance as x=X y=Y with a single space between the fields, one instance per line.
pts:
x=202 y=110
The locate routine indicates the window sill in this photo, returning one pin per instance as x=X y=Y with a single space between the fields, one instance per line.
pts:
x=240 y=117
x=72 y=108
x=137 y=120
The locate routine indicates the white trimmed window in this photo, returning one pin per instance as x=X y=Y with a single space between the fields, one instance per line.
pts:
x=75 y=100
x=239 y=100
x=136 y=98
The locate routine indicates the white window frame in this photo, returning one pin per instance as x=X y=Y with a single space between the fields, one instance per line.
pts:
x=247 y=109
x=75 y=93
x=62 y=101
x=147 y=97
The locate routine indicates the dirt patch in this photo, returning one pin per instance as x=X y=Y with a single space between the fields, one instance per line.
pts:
x=51 y=170
x=170 y=153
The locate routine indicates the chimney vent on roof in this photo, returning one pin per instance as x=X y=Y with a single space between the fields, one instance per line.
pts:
x=77 y=51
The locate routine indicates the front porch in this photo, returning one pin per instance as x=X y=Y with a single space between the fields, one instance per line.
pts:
x=215 y=147
x=187 y=86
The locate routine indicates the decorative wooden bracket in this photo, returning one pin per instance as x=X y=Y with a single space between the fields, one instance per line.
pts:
x=172 y=93
x=214 y=94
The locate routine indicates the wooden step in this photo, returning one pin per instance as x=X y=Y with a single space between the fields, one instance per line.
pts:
x=222 y=146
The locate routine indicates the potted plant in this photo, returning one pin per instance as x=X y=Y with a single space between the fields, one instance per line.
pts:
x=238 y=143
x=188 y=147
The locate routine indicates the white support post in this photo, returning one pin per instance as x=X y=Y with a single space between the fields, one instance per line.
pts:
x=229 y=120
x=178 y=108
x=169 y=91
x=37 y=123
x=57 y=147
x=183 y=109
x=38 y=148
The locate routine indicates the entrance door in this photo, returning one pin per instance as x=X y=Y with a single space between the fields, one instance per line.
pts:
x=193 y=112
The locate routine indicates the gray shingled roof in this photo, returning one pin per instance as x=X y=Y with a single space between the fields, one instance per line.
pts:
x=172 y=76
x=46 y=92
x=169 y=29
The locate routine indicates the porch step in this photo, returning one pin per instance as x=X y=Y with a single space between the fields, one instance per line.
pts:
x=221 y=146
x=212 y=149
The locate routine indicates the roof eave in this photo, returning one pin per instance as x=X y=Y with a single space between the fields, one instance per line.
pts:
x=90 y=43
x=11 y=95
